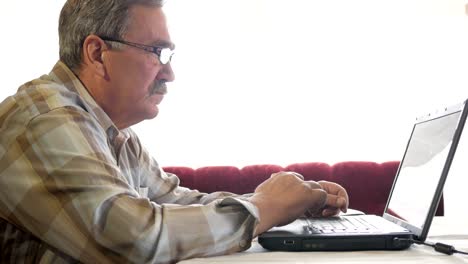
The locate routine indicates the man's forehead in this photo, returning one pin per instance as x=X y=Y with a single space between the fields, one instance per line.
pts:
x=148 y=24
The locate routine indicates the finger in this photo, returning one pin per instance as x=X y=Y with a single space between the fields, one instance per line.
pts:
x=298 y=175
x=330 y=212
x=287 y=173
x=336 y=191
x=318 y=199
x=336 y=201
x=315 y=185
x=275 y=174
x=333 y=188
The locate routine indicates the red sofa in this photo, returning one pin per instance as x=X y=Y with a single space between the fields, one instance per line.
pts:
x=368 y=183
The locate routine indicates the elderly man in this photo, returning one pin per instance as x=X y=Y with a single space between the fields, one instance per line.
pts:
x=77 y=185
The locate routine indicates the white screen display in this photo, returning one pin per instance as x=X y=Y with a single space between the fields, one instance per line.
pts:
x=421 y=169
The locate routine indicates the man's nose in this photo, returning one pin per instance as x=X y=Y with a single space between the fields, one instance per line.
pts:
x=167 y=73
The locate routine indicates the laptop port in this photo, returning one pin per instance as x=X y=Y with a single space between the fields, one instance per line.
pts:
x=288 y=242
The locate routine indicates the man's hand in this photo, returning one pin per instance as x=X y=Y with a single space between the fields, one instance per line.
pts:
x=337 y=199
x=284 y=197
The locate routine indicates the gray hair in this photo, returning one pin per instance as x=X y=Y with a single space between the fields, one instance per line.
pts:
x=81 y=18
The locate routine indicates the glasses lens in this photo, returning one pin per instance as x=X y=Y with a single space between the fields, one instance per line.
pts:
x=166 y=55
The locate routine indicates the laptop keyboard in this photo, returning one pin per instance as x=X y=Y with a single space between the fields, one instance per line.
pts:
x=339 y=224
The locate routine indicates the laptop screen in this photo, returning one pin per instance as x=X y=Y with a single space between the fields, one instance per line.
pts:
x=416 y=190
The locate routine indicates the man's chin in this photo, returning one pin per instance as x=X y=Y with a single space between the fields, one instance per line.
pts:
x=152 y=113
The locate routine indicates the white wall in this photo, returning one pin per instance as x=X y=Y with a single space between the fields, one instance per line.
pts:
x=269 y=81
x=29 y=41
x=287 y=81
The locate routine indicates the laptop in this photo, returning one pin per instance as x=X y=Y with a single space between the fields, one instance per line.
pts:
x=411 y=205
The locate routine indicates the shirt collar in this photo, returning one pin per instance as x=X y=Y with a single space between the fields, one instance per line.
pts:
x=62 y=74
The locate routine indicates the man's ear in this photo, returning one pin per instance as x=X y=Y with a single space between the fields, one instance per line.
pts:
x=93 y=48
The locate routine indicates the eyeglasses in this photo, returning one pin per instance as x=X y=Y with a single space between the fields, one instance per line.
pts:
x=164 y=54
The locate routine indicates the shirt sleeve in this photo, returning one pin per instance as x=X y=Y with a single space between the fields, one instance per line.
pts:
x=70 y=193
x=165 y=187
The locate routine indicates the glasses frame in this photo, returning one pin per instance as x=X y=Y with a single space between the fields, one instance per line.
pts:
x=164 y=54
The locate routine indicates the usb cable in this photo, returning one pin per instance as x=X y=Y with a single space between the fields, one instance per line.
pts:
x=439 y=247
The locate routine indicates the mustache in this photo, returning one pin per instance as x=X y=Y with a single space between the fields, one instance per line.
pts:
x=159 y=87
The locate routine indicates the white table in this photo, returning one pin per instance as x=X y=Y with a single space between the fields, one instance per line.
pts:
x=446 y=230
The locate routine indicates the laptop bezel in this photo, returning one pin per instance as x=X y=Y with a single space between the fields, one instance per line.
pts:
x=420 y=234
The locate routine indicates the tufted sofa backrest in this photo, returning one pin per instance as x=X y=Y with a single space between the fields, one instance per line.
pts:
x=368 y=183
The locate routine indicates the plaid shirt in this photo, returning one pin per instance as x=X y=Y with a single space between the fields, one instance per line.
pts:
x=77 y=189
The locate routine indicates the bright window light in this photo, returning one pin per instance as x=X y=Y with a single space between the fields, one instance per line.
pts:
x=269 y=81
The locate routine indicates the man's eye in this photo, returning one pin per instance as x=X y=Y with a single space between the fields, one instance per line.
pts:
x=158 y=50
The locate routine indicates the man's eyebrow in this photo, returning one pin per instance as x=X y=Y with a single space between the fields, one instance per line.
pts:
x=164 y=44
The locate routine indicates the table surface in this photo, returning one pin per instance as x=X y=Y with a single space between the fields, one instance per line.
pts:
x=453 y=231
